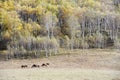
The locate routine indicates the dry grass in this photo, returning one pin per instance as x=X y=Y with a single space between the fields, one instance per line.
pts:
x=67 y=65
x=92 y=59
x=58 y=74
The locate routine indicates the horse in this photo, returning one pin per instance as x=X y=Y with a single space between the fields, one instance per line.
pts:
x=24 y=66
x=35 y=66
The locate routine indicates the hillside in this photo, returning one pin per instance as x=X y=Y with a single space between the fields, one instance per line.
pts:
x=33 y=27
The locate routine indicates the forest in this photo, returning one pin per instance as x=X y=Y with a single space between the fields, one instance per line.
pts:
x=36 y=27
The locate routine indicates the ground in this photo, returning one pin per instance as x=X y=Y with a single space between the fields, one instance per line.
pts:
x=58 y=74
x=67 y=65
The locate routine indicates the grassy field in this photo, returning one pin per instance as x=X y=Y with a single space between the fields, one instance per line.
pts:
x=58 y=74
x=67 y=65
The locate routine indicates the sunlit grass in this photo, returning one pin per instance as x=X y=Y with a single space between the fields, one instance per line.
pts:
x=58 y=74
x=85 y=51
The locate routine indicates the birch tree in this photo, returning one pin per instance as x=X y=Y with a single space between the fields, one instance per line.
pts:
x=73 y=24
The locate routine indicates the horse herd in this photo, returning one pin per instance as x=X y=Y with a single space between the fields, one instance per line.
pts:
x=36 y=65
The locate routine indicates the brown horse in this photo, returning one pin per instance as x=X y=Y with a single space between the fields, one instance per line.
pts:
x=24 y=66
x=47 y=63
x=35 y=66
x=44 y=65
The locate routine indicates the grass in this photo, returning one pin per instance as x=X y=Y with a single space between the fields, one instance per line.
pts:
x=58 y=74
x=62 y=51
x=101 y=64
x=85 y=51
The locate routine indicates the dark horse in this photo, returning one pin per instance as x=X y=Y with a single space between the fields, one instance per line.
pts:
x=45 y=65
x=35 y=66
x=24 y=66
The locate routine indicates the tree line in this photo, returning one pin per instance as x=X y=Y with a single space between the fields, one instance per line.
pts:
x=36 y=27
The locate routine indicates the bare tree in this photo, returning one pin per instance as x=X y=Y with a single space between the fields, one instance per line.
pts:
x=73 y=24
